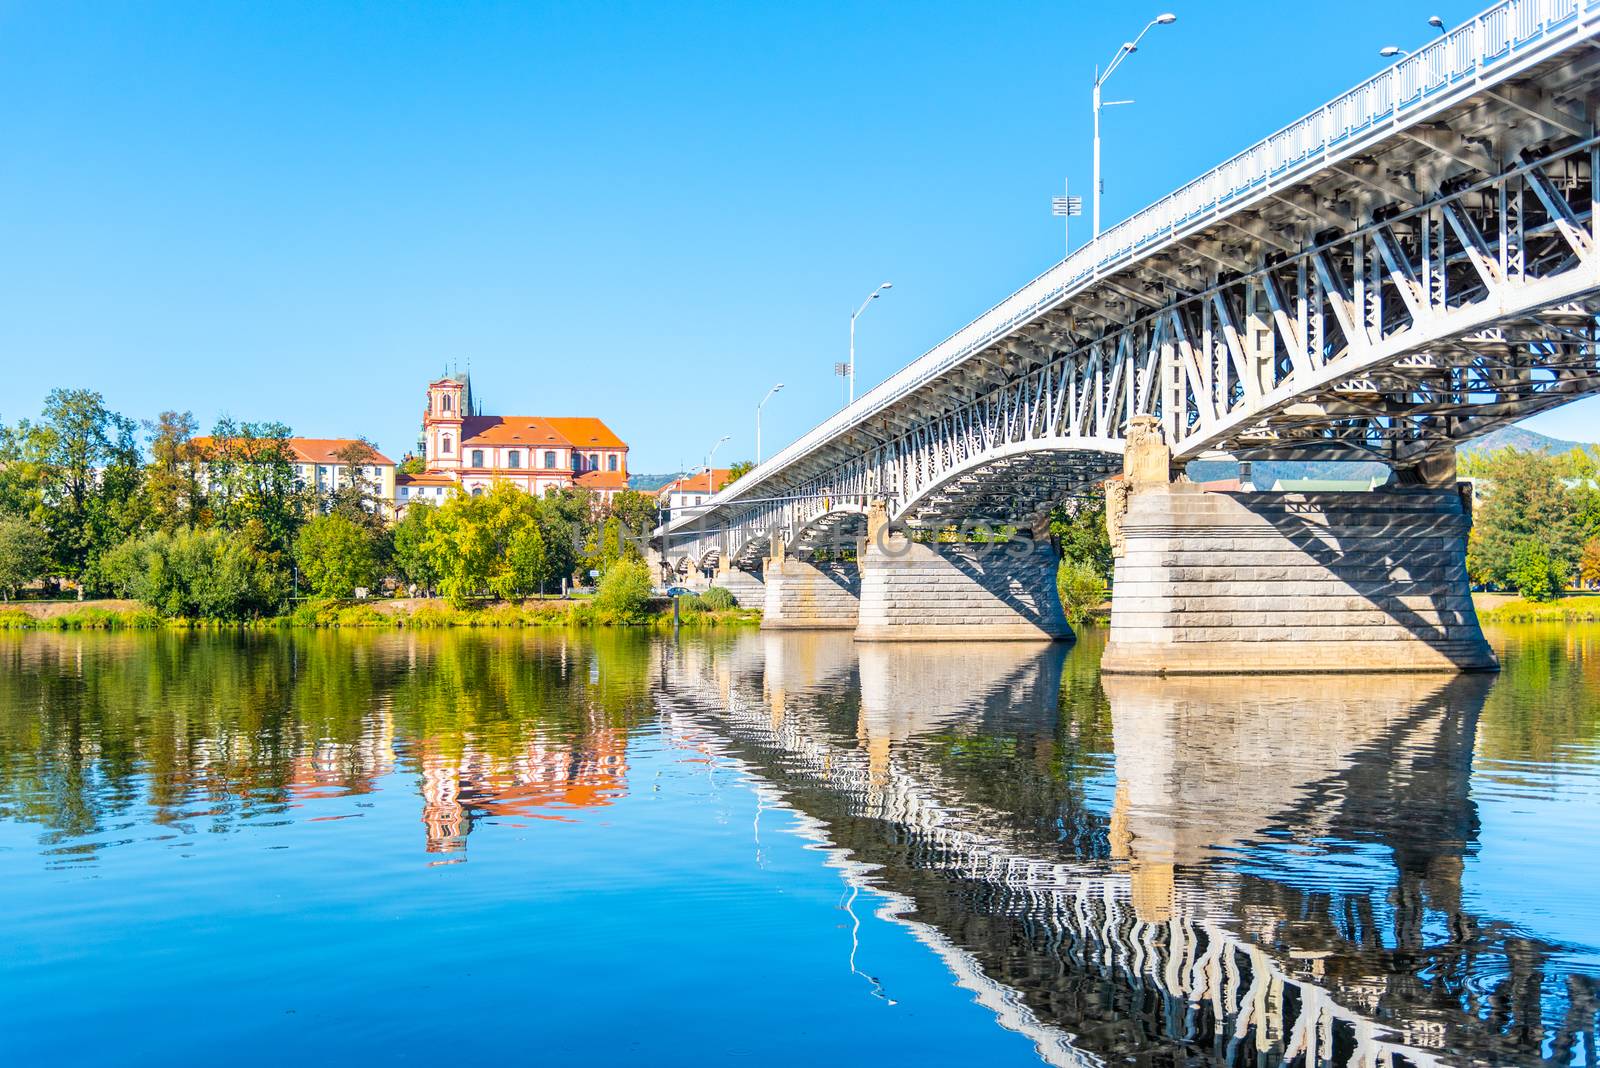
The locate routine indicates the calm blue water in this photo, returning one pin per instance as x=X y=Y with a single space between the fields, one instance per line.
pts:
x=784 y=849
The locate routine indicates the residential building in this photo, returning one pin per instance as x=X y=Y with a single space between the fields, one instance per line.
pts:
x=691 y=491
x=463 y=447
x=319 y=465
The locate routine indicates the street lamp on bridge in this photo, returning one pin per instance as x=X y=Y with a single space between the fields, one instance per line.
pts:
x=1390 y=51
x=1128 y=48
x=872 y=297
x=720 y=442
x=760 y=406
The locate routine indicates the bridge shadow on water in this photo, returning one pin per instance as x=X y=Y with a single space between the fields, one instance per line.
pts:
x=1162 y=871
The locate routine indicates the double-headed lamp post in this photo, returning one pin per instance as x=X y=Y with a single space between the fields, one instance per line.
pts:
x=870 y=298
x=709 y=455
x=760 y=406
x=1128 y=48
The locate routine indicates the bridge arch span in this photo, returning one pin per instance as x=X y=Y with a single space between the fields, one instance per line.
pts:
x=1012 y=483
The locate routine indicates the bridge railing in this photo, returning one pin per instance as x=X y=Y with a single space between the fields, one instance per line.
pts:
x=1491 y=45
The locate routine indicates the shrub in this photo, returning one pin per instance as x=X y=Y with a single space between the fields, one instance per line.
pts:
x=197 y=574
x=624 y=592
x=15 y=619
x=1081 y=587
x=717 y=599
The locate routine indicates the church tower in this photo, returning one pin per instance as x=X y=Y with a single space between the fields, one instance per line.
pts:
x=448 y=399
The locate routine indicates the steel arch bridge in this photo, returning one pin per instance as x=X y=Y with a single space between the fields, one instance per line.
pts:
x=1410 y=266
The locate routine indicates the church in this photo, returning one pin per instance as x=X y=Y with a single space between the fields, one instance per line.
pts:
x=462 y=447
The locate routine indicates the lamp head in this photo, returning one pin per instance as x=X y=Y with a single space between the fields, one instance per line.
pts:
x=1166 y=18
x=1129 y=47
x=1436 y=22
x=1389 y=51
x=777 y=387
x=887 y=285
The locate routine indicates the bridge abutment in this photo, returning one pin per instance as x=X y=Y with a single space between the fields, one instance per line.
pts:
x=959 y=592
x=1220 y=583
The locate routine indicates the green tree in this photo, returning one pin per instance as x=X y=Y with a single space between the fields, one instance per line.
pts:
x=494 y=543
x=356 y=496
x=23 y=451
x=89 y=480
x=638 y=513
x=624 y=592
x=1525 y=499
x=510 y=523
x=409 y=539
x=1534 y=574
x=24 y=553
x=337 y=554
x=173 y=491
x=738 y=471
x=1589 y=562
x=251 y=475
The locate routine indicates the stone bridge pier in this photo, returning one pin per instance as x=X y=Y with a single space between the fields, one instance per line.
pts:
x=809 y=595
x=1250 y=583
x=903 y=590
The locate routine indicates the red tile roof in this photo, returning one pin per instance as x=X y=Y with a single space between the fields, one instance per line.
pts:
x=604 y=480
x=533 y=430
x=309 y=450
x=428 y=479
x=696 y=483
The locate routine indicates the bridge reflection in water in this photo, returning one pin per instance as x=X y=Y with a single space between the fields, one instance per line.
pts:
x=1202 y=870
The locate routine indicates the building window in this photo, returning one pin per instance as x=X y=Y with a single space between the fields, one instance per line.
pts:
x=446 y=448
x=514 y=458
x=322 y=473
x=445 y=401
x=549 y=460
x=477 y=491
x=477 y=457
x=594 y=461
x=611 y=462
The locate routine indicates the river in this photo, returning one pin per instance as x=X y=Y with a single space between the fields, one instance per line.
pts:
x=787 y=848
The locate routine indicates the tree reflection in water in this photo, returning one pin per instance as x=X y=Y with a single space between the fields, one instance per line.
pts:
x=235 y=727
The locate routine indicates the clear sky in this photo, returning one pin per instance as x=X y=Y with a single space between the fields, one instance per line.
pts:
x=645 y=212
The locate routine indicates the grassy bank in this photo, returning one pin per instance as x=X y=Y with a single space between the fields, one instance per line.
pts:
x=1573 y=608
x=422 y=614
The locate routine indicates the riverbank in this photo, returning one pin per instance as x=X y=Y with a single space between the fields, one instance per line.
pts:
x=1509 y=608
x=419 y=613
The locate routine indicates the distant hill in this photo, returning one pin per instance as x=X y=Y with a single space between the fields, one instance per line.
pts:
x=1516 y=437
x=651 y=482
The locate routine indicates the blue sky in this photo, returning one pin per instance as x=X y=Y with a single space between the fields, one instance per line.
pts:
x=646 y=212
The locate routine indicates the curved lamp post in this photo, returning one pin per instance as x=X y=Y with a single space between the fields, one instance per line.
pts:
x=1128 y=48
x=760 y=406
x=870 y=298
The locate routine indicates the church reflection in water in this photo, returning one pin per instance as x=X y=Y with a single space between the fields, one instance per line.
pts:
x=1230 y=871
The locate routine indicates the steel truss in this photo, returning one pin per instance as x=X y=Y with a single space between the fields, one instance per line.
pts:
x=1434 y=323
